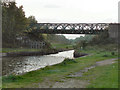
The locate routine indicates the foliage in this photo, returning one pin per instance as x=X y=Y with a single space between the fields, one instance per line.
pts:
x=99 y=39
x=13 y=23
x=57 y=39
x=61 y=46
x=82 y=44
x=35 y=36
x=11 y=78
x=31 y=21
x=102 y=38
x=86 y=38
x=67 y=61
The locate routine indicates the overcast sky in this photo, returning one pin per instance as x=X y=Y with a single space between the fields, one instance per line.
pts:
x=71 y=11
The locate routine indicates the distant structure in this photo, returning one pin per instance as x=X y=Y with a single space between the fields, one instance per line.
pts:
x=36 y=44
x=113 y=30
x=28 y=43
x=33 y=44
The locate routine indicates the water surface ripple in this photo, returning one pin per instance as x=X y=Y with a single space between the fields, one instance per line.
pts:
x=19 y=65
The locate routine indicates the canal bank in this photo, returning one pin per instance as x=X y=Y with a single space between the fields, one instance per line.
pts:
x=23 y=64
x=32 y=53
x=48 y=76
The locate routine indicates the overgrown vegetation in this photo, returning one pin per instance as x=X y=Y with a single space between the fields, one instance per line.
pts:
x=13 y=23
x=61 y=46
x=57 y=72
x=59 y=39
x=6 y=50
x=96 y=40
x=14 y=26
x=103 y=77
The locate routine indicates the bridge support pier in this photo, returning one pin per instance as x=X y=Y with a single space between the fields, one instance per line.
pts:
x=113 y=31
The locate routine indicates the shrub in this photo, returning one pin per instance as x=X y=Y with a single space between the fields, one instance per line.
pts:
x=112 y=53
x=11 y=78
x=67 y=61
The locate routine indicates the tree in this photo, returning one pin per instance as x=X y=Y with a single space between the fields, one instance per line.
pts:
x=102 y=38
x=31 y=21
x=57 y=39
x=82 y=44
x=13 y=23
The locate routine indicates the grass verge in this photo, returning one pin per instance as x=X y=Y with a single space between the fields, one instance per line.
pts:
x=61 y=46
x=6 y=50
x=103 y=76
x=54 y=73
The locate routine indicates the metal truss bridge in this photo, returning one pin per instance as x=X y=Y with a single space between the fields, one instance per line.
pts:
x=70 y=28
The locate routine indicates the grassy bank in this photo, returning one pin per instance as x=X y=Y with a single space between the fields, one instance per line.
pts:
x=55 y=73
x=103 y=77
x=6 y=50
x=54 y=45
x=61 y=46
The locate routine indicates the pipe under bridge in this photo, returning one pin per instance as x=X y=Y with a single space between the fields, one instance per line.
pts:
x=70 y=28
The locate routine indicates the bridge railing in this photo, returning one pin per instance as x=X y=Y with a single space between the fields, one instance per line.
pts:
x=71 y=26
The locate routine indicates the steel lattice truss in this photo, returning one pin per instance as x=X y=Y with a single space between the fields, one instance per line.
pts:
x=71 y=28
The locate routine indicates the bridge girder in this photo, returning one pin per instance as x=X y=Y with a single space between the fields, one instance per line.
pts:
x=71 y=28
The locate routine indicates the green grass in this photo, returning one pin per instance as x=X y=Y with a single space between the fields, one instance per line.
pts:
x=57 y=46
x=54 y=73
x=6 y=50
x=0 y=82
x=61 y=46
x=105 y=50
x=57 y=72
x=103 y=76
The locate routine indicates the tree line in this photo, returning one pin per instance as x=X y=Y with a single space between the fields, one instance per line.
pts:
x=91 y=40
x=14 y=23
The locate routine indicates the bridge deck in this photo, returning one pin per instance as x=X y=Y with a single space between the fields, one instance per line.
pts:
x=51 y=31
x=70 y=28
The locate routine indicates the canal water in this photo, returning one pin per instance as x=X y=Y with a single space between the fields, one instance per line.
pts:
x=20 y=65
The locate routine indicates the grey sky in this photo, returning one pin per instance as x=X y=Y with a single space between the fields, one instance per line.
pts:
x=71 y=11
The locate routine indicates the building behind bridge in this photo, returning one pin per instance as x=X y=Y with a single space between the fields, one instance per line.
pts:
x=34 y=44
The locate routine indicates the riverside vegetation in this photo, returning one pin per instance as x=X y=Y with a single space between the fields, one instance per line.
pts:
x=100 y=77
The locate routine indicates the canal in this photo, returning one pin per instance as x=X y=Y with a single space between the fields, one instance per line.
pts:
x=20 y=65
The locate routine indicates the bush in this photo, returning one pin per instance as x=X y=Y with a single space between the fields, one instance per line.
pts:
x=112 y=53
x=11 y=78
x=67 y=61
x=105 y=55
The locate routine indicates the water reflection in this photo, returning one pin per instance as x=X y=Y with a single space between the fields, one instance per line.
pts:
x=19 y=65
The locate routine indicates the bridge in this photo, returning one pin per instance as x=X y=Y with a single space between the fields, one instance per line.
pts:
x=70 y=28
x=77 y=28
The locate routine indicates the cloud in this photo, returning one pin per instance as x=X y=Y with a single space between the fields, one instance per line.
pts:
x=51 y=6
x=110 y=20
